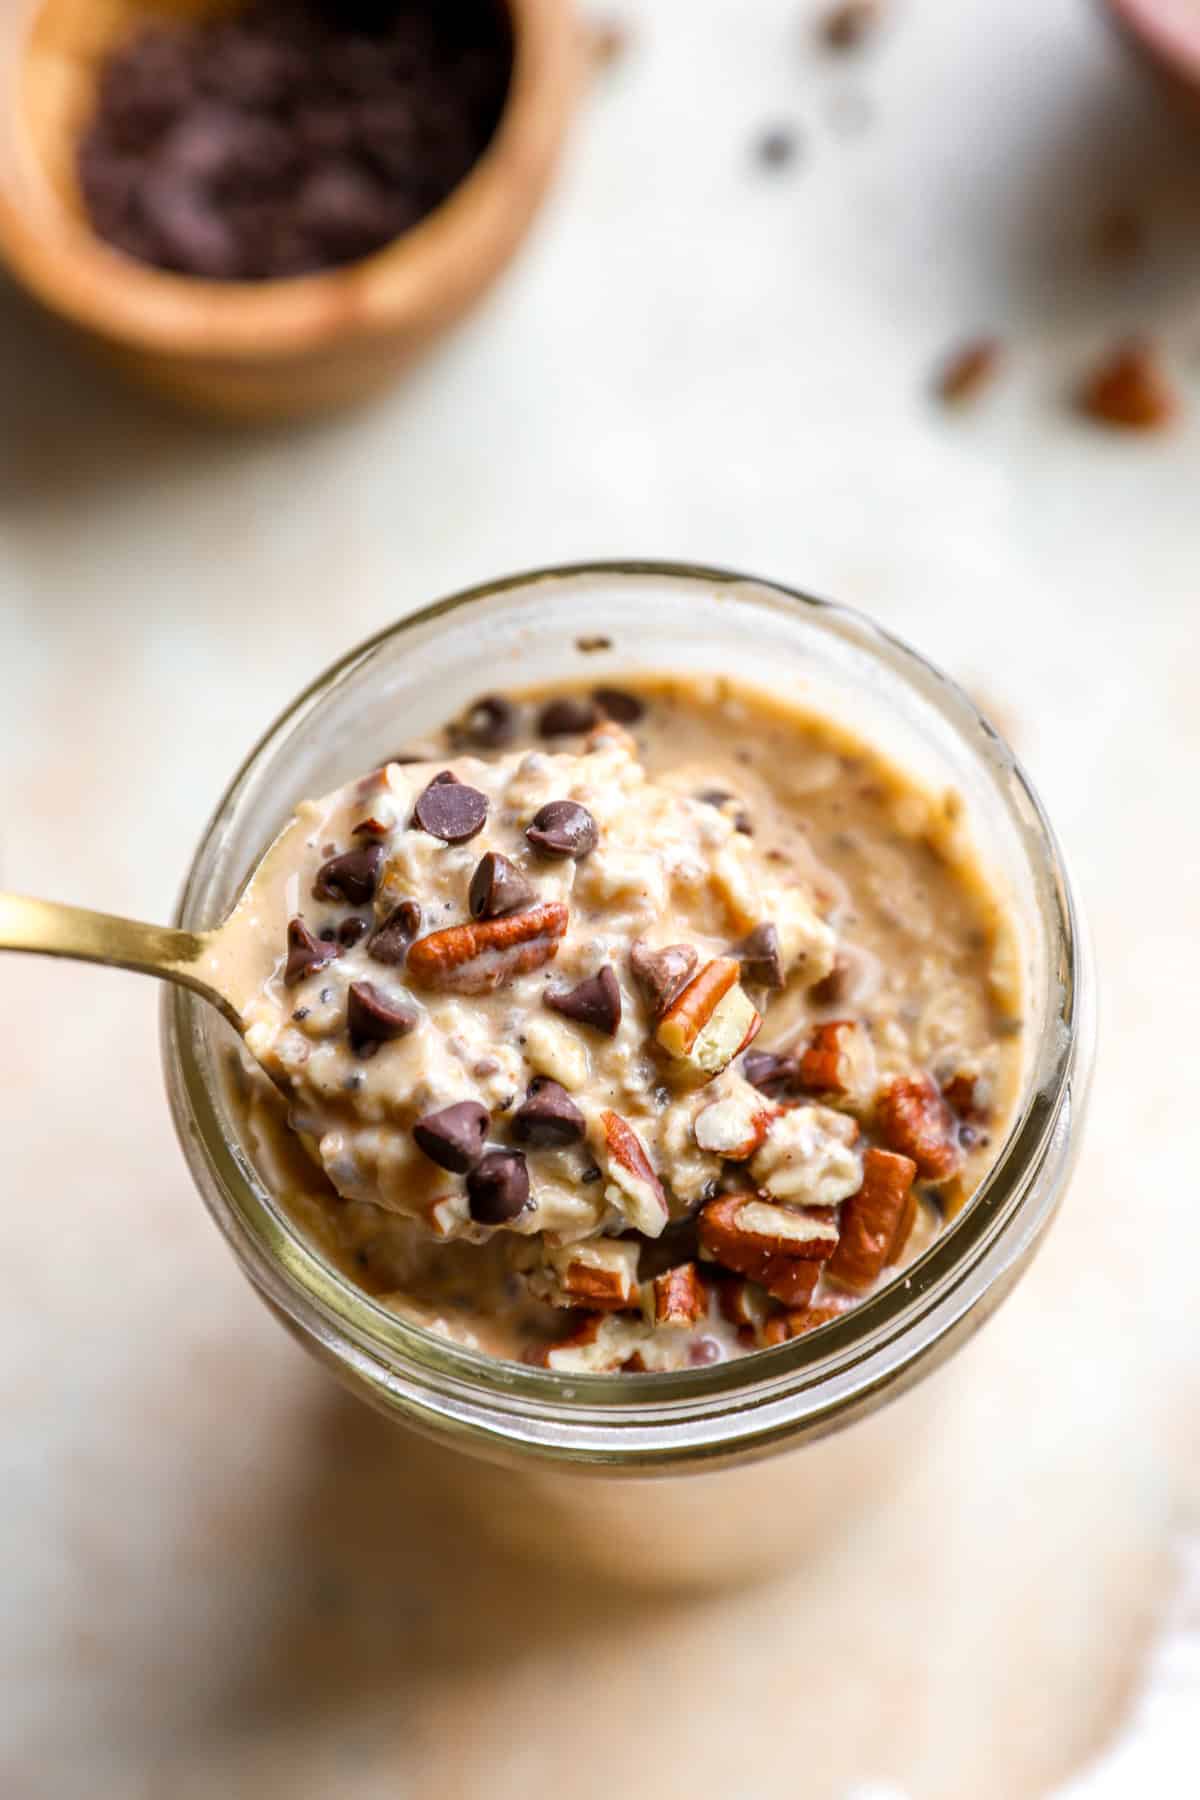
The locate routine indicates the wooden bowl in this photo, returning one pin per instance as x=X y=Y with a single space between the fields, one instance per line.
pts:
x=270 y=349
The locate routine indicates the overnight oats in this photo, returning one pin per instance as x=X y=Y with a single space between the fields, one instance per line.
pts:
x=627 y=1028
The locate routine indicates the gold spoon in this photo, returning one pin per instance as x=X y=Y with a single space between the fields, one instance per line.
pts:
x=192 y=959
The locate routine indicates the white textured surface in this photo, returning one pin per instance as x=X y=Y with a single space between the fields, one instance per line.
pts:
x=214 y=1578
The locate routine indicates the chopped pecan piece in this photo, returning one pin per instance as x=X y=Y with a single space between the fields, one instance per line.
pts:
x=600 y=1275
x=965 y=1092
x=711 y=1021
x=908 y=1219
x=872 y=1219
x=850 y=22
x=968 y=370
x=680 y=1297
x=743 y=1303
x=634 y=1188
x=602 y=1343
x=839 y=1059
x=795 y=1322
x=736 y=1126
x=1130 y=390
x=912 y=1118
x=480 y=957
x=776 y=1247
x=810 y=1156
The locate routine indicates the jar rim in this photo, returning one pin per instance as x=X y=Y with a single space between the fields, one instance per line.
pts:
x=701 y=1415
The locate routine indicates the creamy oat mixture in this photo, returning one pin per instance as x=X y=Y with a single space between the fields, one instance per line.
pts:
x=626 y=1030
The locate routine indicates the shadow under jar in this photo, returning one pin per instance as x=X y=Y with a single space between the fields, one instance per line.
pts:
x=562 y=1461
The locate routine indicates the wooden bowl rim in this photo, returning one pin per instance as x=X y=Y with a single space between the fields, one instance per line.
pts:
x=94 y=286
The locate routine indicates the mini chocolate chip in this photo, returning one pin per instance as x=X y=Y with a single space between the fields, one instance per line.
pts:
x=450 y=810
x=548 y=1118
x=300 y=1014
x=498 y=1187
x=568 y=716
x=327 y=934
x=595 y=1002
x=305 y=953
x=373 y=1019
x=490 y=723
x=454 y=1137
x=831 y=990
x=718 y=797
x=769 y=1073
x=588 y=646
x=621 y=707
x=352 y=930
x=662 y=974
x=563 y=828
x=593 y=1172
x=389 y=941
x=352 y=877
x=498 y=887
x=760 y=956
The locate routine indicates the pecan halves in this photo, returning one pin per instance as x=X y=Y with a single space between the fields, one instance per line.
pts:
x=912 y=1117
x=876 y=1221
x=479 y=957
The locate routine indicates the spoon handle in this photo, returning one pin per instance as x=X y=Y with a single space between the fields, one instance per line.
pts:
x=48 y=928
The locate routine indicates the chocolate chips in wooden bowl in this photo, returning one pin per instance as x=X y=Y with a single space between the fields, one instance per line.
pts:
x=294 y=136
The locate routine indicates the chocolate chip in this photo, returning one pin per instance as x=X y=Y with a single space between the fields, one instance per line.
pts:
x=662 y=974
x=592 y=1173
x=719 y=797
x=389 y=941
x=548 y=1118
x=305 y=953
x=489 y=724
x=595 y=1002
x=351 y=931
x=760 y=956
x=831 y=990
x=373 y=1019
x=563 y=828
x=568 y=716
x=498 y=1187
x=497 y=887
x=450 y=810
x=769 y=1073
x=352 y=877
x=588 y=646
x=621 y=707
x=296 y=135
x=454 y=1137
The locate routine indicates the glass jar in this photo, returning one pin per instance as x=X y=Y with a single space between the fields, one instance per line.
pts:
x=537 y=1437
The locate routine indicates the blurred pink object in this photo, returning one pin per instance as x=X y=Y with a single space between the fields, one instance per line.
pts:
x=1167 y=34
